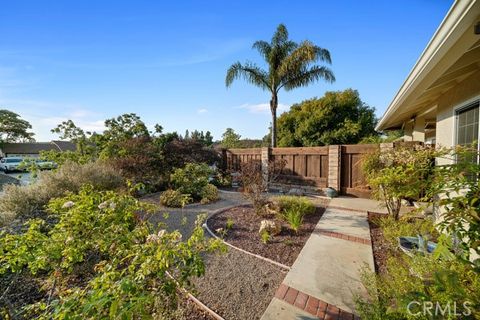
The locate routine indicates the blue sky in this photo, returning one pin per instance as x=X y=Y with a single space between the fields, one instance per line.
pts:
x=166 y=61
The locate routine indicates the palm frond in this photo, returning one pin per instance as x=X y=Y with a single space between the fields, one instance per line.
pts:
x=280 y=36
x=264 y=48
x=249 y=72
x=305 y=54
x=305 y=76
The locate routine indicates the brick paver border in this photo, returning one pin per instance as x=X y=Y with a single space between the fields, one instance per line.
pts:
x=347 y=237
x=312 y=305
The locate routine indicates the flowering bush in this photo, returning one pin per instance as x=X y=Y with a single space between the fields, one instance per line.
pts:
x=102 y=260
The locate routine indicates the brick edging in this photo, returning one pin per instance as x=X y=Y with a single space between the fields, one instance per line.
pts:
x=312 y=305
x=343 y=236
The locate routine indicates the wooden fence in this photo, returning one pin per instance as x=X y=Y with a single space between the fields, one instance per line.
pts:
x=339 y=167
x=303 y=166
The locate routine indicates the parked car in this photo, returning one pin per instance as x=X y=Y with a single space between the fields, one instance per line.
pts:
x=9 y=164
x=45 y=164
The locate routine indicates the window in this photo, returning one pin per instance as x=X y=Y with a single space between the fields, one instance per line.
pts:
x=467 y=125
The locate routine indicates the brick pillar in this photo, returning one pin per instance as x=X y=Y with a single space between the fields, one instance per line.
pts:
x=265 y=154
x=334 y=158
x=386 y=146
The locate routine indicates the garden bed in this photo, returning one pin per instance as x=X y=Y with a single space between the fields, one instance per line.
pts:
x=379 y=244
x=283 y=248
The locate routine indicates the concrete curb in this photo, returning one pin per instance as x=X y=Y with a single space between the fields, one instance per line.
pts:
x=205 y=225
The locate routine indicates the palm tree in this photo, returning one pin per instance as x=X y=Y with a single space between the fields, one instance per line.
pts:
x=290 y=65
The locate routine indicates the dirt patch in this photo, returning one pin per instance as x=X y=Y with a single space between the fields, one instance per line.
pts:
x=380 y=246
x=238 y=286
x=283 y=248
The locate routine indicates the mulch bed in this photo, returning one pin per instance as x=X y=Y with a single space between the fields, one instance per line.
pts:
x=380 y=246
x=283 y=248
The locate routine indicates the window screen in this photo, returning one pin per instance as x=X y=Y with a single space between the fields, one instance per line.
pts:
x=467 y=125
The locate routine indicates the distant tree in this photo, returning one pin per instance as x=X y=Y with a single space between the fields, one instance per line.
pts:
x=337 y=118
x=67 y=130
x=381 y=137
x=118 y=130
x=13 y=128
x=290 y=65
x=204 y=138
x=230 y=139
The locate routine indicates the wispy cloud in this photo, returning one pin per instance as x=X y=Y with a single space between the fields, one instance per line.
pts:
x=262 y=108
x=202 y=110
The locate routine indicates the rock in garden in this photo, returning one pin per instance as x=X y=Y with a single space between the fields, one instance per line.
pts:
x=270 y=226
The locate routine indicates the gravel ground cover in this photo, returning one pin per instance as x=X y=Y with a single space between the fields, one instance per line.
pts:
x=238 y=286
x=183 y=219
x=188 y=310
x=283 y=248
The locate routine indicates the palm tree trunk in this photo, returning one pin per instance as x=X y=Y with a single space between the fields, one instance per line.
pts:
x=273 y=109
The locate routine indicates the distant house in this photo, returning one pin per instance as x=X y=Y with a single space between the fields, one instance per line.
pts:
x=439 y=101
x=32 y=149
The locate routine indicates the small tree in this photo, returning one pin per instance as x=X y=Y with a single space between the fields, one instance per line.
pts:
x=399 y=173
x=230 y=139
x=257 y=180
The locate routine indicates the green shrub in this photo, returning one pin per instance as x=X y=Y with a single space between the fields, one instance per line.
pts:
x=301 y=204
x=229 y=225
x=174 y=199
x=294 y=218
x=392 y=229
x=209 y=194
x=399 y=173
x=124 y=265
x=191 y=179
x=23 y=201
x=421 y=279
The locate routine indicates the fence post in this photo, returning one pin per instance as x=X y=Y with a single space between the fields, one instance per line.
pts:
x=334 y=163
x=265 y=156
x=386 y=146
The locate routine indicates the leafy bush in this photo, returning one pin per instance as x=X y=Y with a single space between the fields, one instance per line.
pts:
x=301 y=204
x=191 y=179
x=141 y=161
x=294 y=218
x=399 y=173
x=179 y=152
x=420 y=279
x=209 y=194
x=174 y=199
x=100 y=260
x=23 y=201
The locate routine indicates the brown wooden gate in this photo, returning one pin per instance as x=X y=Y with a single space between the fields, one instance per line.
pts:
x=352 y=179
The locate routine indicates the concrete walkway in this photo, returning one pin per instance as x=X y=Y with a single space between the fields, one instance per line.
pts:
x=326 y=275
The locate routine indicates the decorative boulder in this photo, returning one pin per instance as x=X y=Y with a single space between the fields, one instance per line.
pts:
x=270 y=226
x=295 y=192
